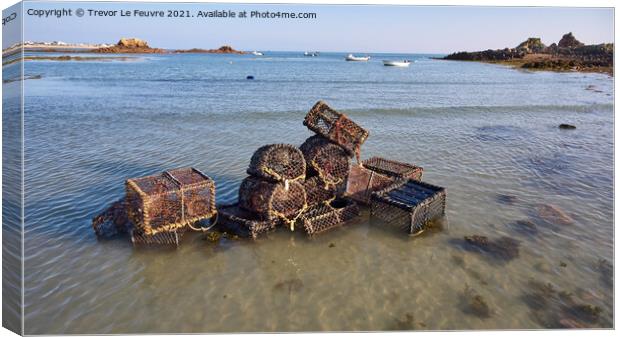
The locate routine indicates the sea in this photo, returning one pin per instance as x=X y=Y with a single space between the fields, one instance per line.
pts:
x=487 y=133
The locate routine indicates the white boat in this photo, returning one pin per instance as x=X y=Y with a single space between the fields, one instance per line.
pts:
x=257 y=53
x=350 y=57
x=392 y=63
x=316 y=53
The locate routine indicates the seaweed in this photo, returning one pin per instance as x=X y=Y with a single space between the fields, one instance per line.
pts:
x=472 y=303
x=554 y=215
x=502 y=249
x=506 y=199
x=405 y=323
x=606 y=271
x=292 y=285
x=559 y=309
x=525 y=227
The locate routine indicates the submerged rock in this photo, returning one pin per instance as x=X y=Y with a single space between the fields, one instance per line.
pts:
x=554 y=215
x=567 y=127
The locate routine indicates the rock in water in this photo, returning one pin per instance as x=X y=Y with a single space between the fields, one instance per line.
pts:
x=554 y=215
x=567 y=127
x=132 y=43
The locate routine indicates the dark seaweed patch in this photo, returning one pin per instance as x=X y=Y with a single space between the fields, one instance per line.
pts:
x=472 y=303
x=503 y=249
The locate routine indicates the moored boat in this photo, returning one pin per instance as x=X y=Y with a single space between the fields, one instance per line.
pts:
x=257 y=53
x=351 y=57
x=392 y=63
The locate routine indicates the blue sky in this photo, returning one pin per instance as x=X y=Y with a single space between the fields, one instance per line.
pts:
x=411 y=29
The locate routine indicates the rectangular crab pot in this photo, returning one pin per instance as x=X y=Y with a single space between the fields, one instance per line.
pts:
x=336 y=127
x=318 y=192
x=238 y=221
x=170 y=200
x=409 y=204
x=393 y=169
x=362 y=182
x=324 y=217
x=168 y=238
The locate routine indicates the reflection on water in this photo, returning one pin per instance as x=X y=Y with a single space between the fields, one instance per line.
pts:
x=487 y=133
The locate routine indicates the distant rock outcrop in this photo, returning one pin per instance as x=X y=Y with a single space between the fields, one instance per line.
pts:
x=532 y=45
x=221 y=50
x=567 y=54
x=569 y=41
x=130 y=45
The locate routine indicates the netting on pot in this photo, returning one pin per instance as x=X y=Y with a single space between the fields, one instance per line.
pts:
x=113 y=220
x=169 y=238
x=362 y=182
x=326 y=216
x=394 y=169
x=283 y=201
x=326 y=160
x=278 y=162
x=409 y=204
x=238 y=221
x=170 y=200
x=317 y=191
x=336 y=127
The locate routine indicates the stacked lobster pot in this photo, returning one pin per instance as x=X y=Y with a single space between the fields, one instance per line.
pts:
x=328 y=157
x=273 y=194
x=158 y=209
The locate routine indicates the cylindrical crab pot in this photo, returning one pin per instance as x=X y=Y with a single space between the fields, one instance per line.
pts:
x=326 y=160
x=274 y=201
x=278 y=162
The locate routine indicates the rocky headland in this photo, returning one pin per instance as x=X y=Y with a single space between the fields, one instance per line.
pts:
x=220 y=50
x=129 y=46
x=569 y=54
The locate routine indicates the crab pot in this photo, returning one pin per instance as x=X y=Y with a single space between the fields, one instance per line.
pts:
x=409 y=204
x=113 y=220
x=170 y=200
x=317 y=191
x=362 y=182
x=169 y=238
x=326 y=160
x=393 y=169
x=323 y=217
x=271 y=200
x=278 y=162
x=336 y=127
x=238 y=221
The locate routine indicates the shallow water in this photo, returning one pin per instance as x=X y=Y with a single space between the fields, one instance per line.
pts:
x=482 y=131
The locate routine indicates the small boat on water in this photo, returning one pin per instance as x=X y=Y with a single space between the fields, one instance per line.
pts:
x=312 y=54
x=257 y=53
x=392 y=63
x=351 y=57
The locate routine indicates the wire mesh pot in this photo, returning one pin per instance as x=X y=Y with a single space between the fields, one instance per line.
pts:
x=113 y=220
x=238 y=221
x=336 y=127
x=326 y=160
x=362 y=182
x=393 y=169
x=326 y=216
x=278 y=162
x=273 y=201
x=317 y=191
x=168 y=238
x=409 y=204
x=170 y=200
